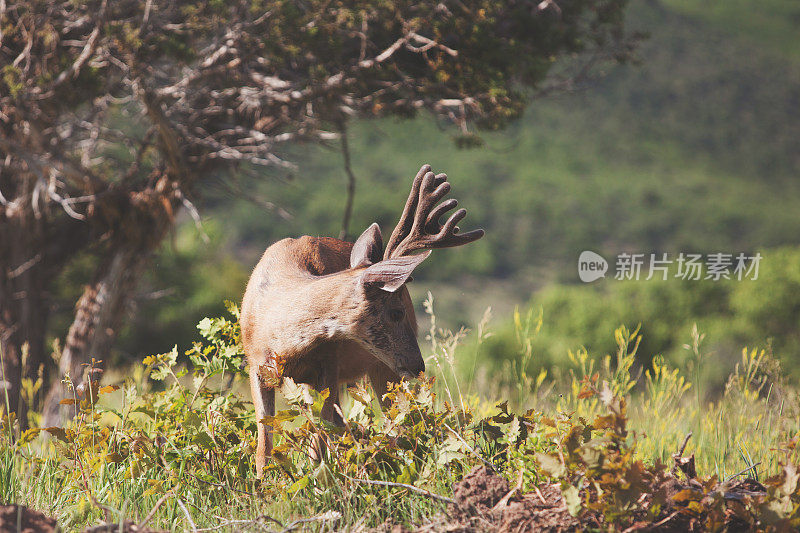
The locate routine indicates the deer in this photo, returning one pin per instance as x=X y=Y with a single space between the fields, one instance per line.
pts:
x=324 y=311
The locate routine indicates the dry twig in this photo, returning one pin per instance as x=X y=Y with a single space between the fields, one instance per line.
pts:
x=406 y=486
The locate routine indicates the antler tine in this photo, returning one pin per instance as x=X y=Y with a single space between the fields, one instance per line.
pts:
x=424 y=230
x=407 y=218
x=432 y=222
x=433 y=189
x=406 y=221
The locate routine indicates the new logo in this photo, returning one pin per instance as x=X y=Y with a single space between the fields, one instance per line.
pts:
x=591 y=266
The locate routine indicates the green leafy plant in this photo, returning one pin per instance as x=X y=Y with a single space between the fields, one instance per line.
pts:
x=174 y=441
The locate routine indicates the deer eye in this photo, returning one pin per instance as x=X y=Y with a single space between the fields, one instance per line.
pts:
x=396 y=315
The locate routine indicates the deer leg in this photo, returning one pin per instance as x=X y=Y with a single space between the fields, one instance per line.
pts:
x=329 y=412
x=328 y=379
x=264 y=402
x=380 y=375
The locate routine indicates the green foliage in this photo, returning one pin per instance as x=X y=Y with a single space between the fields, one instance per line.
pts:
x=747 y=416
x=662 y=167
x=773 y=24
x=763 y=312
x=11 y=78
x=192 y=276
x=187 y=432
x=178 y=431
x=410 y=444
x=600 y=472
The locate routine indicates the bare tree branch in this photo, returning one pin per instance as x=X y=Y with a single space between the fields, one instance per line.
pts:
x=351 y=182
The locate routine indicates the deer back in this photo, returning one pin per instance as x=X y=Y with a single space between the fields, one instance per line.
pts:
x=296 y=298
x=311 y=292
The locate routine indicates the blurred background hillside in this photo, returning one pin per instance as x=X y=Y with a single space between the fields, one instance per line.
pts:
x=695 y=149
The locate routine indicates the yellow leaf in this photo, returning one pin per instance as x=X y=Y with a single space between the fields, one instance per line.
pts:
x=28 y=436
x=687 y=495
x=300 y=484
x=114 y=457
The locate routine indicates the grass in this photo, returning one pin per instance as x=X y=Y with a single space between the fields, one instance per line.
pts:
x=174 y=443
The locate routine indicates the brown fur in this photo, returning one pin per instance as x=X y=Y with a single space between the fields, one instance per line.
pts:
x=323 y=311
x=305 y=315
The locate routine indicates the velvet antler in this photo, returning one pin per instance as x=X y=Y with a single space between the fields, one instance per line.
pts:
x=419 y=226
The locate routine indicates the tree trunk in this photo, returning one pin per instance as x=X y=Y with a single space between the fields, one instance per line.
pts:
x=98 y=316
x=23 y=308
x=22 y=351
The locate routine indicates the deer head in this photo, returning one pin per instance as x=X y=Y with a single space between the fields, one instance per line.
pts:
x=386 y=325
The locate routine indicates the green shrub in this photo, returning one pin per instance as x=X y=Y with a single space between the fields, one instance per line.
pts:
x=763 y=312
x=174 y=442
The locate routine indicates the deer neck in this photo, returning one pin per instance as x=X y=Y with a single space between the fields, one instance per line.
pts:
x=320 y=309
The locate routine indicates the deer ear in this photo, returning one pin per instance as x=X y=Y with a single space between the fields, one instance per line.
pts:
x=368 y=248
x=392 y=273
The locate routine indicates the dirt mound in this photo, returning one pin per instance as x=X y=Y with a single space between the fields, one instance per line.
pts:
x=483 y=501
x=547 y=512
x=478 y=492
x=18 y=518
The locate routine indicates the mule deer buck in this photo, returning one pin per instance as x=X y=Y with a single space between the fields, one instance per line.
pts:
x=323 y=311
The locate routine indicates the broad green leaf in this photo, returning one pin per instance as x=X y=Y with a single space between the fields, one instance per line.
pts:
x=572 y=499
x=281 y=416
x=191 y=420
x=299 y=485
x=208 y=327
x=204 y=440
x=452 y=450
x=296 y=394
x=551 y=465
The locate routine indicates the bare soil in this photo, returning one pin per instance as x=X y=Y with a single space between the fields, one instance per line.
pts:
x=17 y=518
x=20 y=519
x=484 y=502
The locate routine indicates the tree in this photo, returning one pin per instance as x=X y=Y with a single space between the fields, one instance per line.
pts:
x=114 y=113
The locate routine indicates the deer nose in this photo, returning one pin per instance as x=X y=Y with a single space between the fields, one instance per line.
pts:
x=416 y=367
x=412 y=369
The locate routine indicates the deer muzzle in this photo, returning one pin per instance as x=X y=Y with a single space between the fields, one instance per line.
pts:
x=411 y=369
